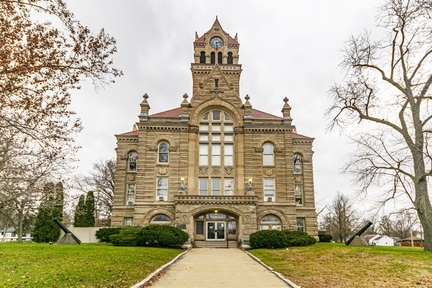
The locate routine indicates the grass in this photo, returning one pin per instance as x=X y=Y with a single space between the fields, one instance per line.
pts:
x=338 y=265
x=85 y=265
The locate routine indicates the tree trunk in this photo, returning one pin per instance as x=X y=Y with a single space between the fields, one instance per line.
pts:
x=20 y=225
x=424 y=211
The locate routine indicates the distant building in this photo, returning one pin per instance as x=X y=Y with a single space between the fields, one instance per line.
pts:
x=214 y=166
x=380 y=240
x=11 y=235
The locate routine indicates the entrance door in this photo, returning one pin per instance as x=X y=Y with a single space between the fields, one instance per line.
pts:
x=215 y=230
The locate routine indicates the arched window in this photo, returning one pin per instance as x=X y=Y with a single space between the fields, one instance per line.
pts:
x=212 y=57
x=160 y=219
x=268 y=154
x=163 y=152
x=219 y=57
x=132 y=162
x=270 y=222
x=297 y=164
x=230 y=58
x=202 y=57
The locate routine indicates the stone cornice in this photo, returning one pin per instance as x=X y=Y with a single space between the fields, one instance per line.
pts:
x=215 y=200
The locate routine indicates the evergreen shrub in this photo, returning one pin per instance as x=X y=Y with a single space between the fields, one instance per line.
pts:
x=103 y=234
x=325 y=237
x=128 y=236
x=163 y=236
x=298 y=238
x=268 y=239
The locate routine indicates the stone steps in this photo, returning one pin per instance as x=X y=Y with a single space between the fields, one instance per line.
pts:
x=215 y=244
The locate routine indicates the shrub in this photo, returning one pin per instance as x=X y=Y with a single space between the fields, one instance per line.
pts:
x=128 y=236
x=268 y=239
x=298 y=238
x=103 y=234
x=325 y=237
x=162 y=236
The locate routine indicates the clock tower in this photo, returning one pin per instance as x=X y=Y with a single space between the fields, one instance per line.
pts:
x=216 y=59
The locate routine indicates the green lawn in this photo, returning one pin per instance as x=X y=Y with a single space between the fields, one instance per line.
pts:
x=338 y=265
x=85 y=265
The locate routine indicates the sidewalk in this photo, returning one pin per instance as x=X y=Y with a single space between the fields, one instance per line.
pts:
x=211 y=267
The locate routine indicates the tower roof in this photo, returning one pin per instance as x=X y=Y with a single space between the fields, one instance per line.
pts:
x=216 y=27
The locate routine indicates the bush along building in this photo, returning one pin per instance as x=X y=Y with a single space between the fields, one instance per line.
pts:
x=214 y=166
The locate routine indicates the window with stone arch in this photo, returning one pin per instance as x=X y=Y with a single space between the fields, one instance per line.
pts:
x=216 y=149
x=268 y=154
x=202 y=57
x=297 y=164
x=270 y=222
x=160 y=219
x=132 y=161
x=163 y=152
x=230 y=58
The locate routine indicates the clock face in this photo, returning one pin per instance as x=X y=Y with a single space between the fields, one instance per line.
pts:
x=216 y=42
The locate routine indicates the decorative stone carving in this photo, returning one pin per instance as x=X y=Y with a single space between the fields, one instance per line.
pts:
x=152 y=147
x=173 y=148
x=215 y=170
x=185 y=219
x=131 y=177
x=193 y=129
x=247 y=219
x=258 y=149
x=229 y=170
x=162 y=170
x=298 y=179
x=238 y=130
x=278 y=149
x=203 y=170
x=268 y=172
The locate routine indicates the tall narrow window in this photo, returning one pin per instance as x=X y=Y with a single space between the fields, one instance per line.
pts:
x=130 y=194
x=301 y=224
x=228 y=155
x=297 y=162
x=202 y=57
x=203 y=157
x=212 y=57
x=203 y=186
x=230 y=58
x=220 y=58
x=162 y=189
x=163 y=152
x=216 y=83
x=216 y=186
x=132 y=162
x=268 y=154
x=298 y=194
x=269 y=189
x=229 y=186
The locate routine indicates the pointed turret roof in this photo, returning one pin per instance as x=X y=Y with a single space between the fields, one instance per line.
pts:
x=216 y=27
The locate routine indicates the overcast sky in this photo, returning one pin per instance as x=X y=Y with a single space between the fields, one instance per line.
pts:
x=287 y=49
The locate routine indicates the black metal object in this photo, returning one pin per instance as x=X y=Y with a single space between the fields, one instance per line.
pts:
x=66 y=230
x=359 y=233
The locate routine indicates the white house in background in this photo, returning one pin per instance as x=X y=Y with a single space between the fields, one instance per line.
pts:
x=11 y=235
x=380 y=240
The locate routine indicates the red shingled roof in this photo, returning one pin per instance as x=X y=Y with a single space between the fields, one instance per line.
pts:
x=177 y=111
x=295 y=135
x=135 y=132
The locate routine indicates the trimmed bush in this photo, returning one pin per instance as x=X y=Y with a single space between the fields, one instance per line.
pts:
x=162 y=236
x=268 y=239
x=298 y=238
x=103 y=234
x=128 y=236
x=325 y=237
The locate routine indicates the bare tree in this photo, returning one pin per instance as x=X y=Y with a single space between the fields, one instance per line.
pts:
x=387 y=85
x=101 y=181
x=40 y=63
x=342 y=218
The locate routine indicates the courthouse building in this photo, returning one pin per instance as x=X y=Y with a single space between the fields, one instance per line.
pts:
x=214 y=166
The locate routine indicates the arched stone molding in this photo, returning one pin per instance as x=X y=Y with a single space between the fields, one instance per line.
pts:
x=278 y=213
x=125 y=155
x=157 y=211
x=271 y=140
x=232 y=210
x=168 y=139
x=215 y=103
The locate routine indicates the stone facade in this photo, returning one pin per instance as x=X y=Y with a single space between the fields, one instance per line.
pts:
x=214 y=166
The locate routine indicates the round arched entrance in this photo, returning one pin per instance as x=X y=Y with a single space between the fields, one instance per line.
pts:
x=215 y=225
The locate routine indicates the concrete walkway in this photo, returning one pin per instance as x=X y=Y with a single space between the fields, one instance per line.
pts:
x=211 y=267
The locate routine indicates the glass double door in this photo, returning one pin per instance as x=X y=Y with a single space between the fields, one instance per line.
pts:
x=216 y=230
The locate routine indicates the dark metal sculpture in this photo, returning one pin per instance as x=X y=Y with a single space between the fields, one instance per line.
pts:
x=66 y=231
x=359 y=233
